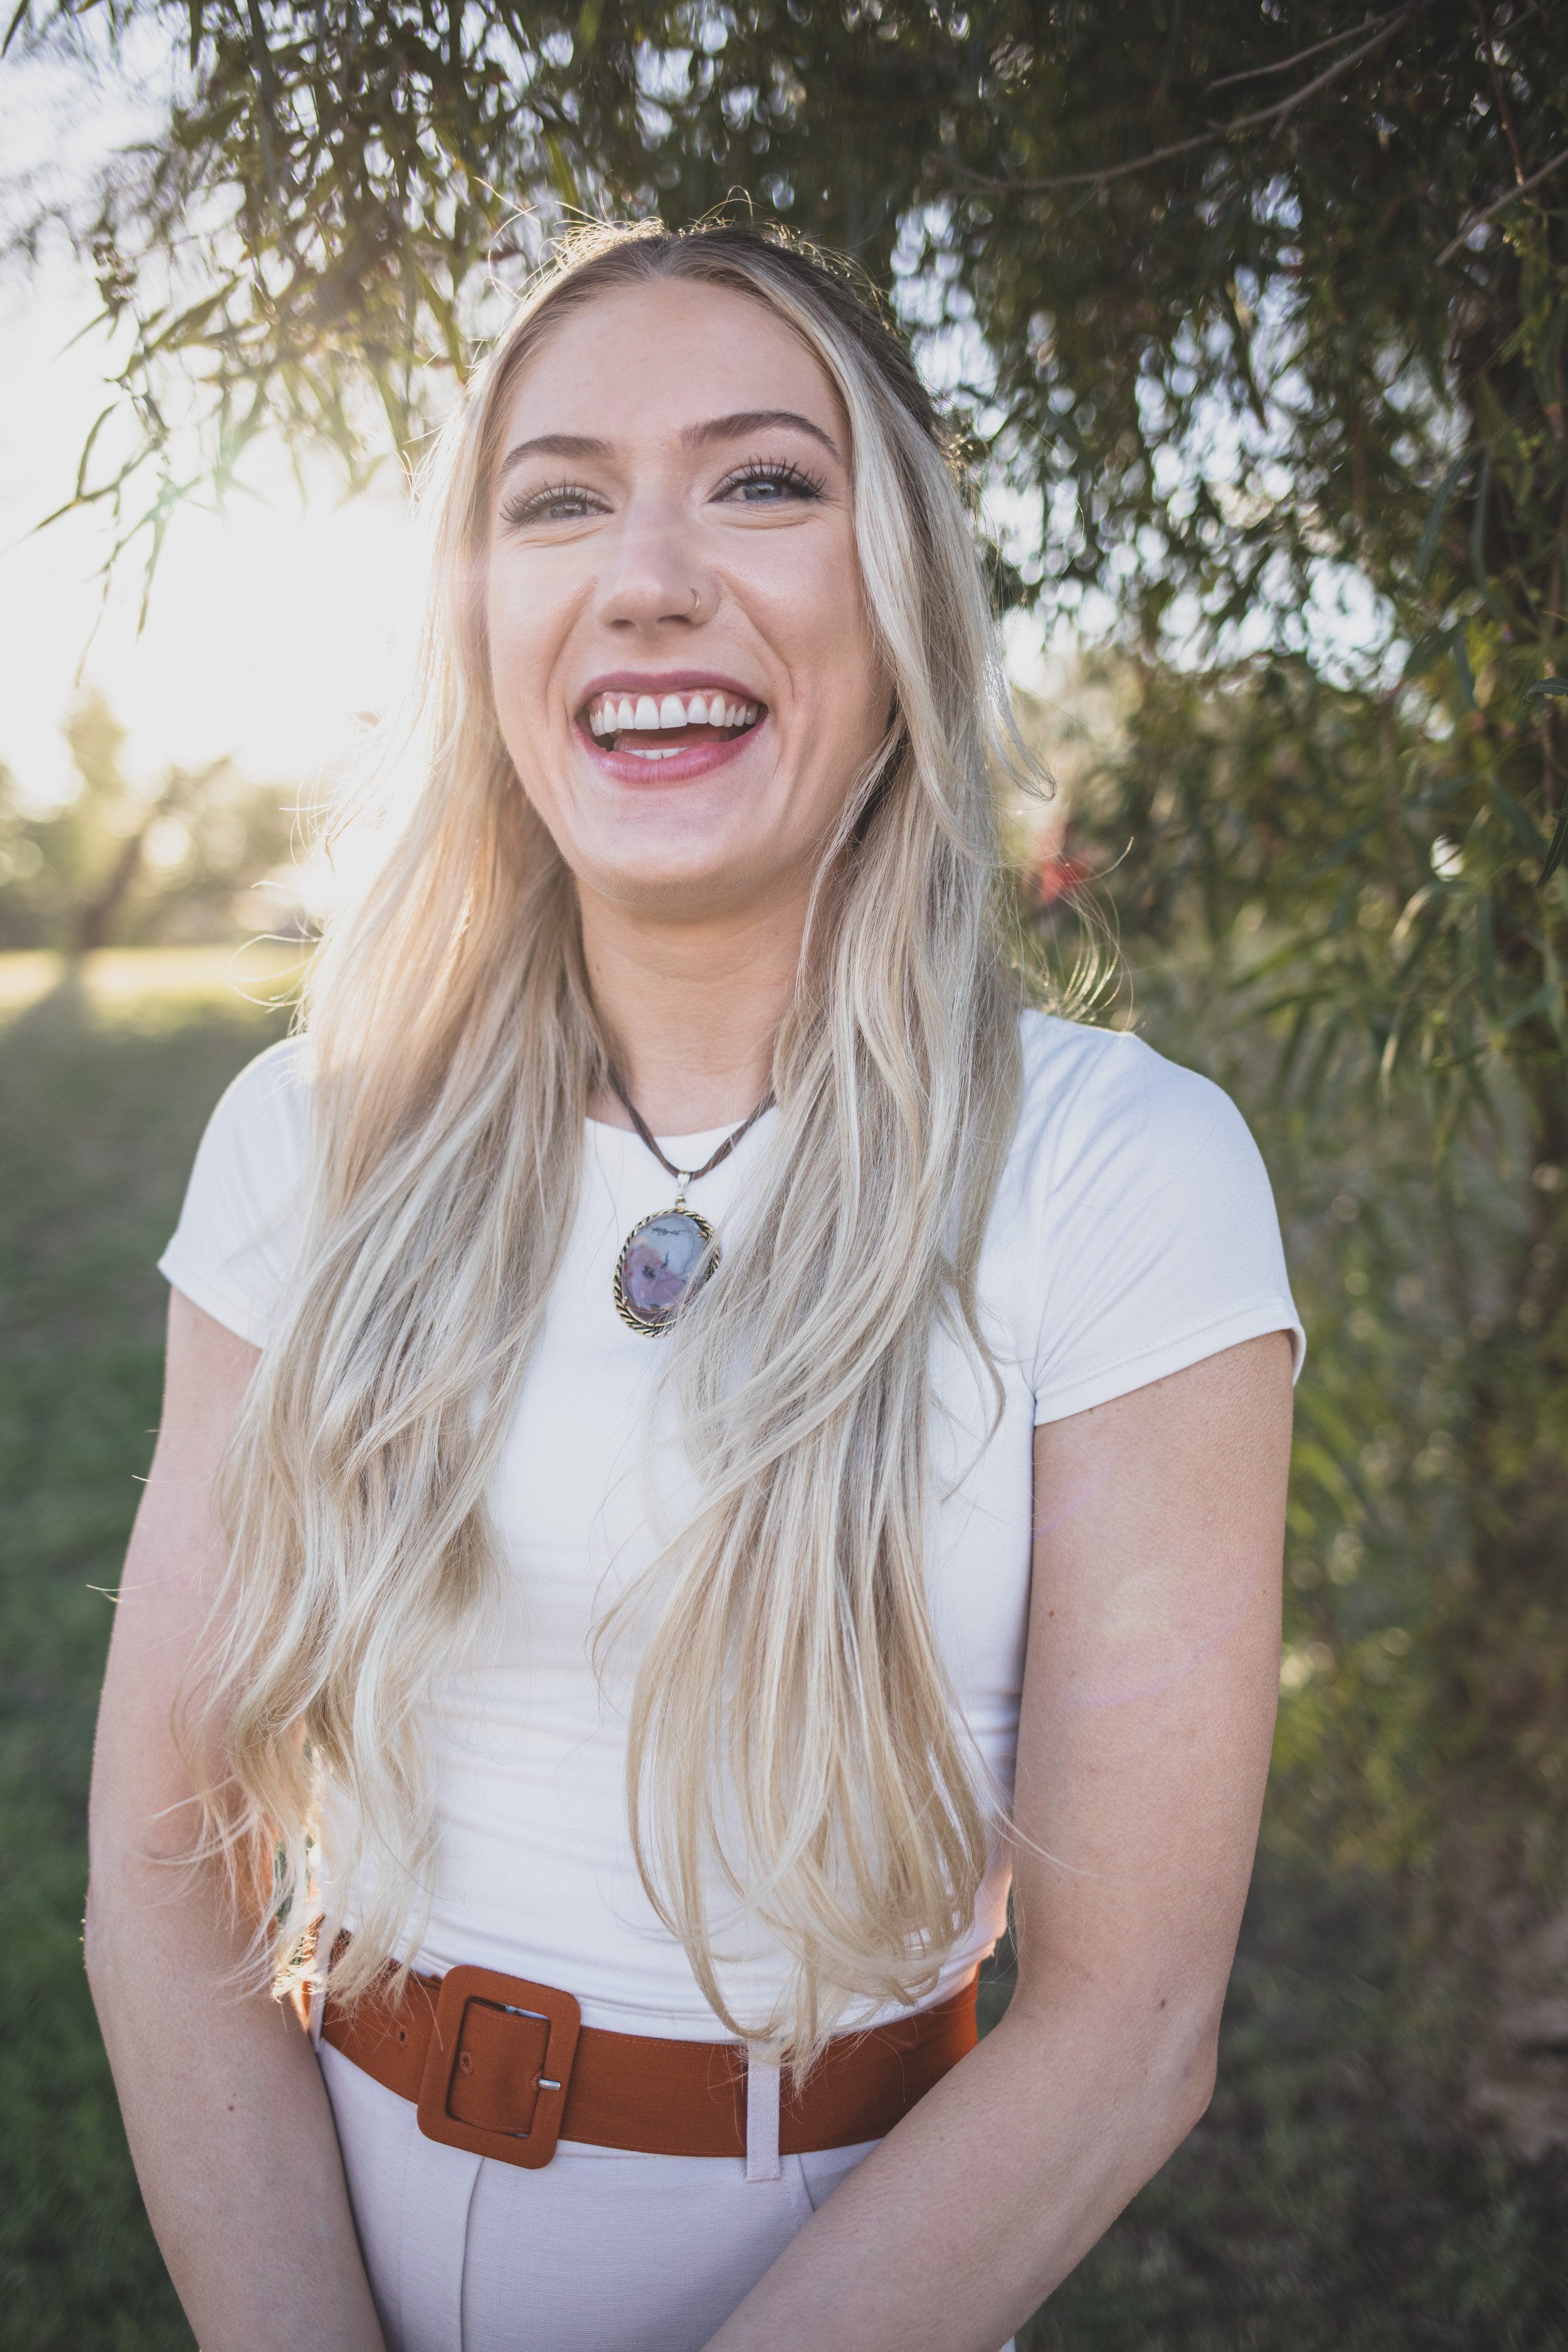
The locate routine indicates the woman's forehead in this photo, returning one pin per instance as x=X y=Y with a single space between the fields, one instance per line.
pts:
x=663 y=358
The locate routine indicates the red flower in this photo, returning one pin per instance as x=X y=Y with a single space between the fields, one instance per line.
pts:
x=1056 y=871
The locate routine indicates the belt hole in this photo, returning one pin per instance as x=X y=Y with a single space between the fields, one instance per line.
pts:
x=403 y=2034
x=466 y=2062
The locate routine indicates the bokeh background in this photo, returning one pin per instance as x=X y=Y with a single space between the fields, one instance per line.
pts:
x=1251 y=316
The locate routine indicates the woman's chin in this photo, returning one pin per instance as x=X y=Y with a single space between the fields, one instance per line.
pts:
x=672 y=839
x=678 y=878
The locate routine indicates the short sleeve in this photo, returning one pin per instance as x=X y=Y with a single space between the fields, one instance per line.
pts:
x=1155 y=1241
x=239 y=1227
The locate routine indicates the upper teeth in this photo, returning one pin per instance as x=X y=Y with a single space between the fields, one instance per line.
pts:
x=616 y=714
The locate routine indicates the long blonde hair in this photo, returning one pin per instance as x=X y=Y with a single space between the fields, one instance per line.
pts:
x=792 y=1739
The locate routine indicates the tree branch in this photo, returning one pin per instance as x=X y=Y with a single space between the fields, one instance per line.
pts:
x=1283 y=64
x=1330 y=73
x=1277 y=114
x=1478 y=220
x=1490 y=54
x=268 y=91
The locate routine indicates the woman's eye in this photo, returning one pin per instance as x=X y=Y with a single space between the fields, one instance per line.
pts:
x=770 y=486
x=565 y=504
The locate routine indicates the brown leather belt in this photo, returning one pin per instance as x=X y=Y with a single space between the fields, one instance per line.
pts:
x=505 y=2068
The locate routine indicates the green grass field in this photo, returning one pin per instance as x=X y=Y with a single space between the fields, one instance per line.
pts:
x=1329 y=2203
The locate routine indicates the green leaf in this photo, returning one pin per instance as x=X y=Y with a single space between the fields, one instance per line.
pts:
x=1444 y=491
x=1411 y=913
x=1554 y=857
x=1486 y=960
x=1523 y=824
x=1546 y=686
x=1556 y=1003
x=1479 y=521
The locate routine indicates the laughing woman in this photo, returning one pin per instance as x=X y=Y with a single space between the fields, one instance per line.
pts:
x=702 y=1442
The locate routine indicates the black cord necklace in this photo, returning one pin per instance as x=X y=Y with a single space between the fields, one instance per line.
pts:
x=668 y=1255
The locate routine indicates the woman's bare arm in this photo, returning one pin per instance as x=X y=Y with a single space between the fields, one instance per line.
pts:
x=223 y=2100
x=1148 y=1705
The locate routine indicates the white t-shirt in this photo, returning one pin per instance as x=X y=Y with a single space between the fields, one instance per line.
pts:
x=1133 y=1234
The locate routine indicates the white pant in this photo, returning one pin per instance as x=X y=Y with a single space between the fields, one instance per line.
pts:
x=599 y=2251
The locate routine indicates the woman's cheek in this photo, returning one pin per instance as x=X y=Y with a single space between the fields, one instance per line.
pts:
x=520 y=665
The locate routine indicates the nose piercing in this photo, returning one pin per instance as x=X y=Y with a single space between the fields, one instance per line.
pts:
x=695 y=601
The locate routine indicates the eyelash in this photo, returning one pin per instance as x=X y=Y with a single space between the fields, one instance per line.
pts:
x=782 y=471
x=518 y=513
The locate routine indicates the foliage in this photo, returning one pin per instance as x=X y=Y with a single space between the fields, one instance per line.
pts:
x=113 y=865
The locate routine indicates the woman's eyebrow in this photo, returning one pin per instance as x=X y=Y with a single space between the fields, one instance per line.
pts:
x=754 y=420
x=554 y=445
x=693 y=437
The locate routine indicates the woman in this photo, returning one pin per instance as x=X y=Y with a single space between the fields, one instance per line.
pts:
x=645 y=1365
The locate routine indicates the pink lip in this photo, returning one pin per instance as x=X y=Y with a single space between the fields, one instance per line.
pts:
x=694 y=760
x=664 y=681
x=683 y=767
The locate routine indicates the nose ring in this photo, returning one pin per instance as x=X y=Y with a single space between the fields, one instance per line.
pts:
x=695 y=601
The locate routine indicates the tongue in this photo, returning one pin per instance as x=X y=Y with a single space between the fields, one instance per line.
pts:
x=669 y=739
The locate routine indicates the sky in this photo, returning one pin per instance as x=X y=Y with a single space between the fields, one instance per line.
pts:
x=269 y=627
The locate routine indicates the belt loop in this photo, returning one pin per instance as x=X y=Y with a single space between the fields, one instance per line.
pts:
x=761 y=2118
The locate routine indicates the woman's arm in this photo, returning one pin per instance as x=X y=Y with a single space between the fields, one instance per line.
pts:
x=223 y=2100
x=1148 y=1711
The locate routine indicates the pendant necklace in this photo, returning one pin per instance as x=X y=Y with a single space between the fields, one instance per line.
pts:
x=671 y=1254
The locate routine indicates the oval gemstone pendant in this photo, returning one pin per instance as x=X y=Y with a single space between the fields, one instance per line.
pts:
x=662 y=1260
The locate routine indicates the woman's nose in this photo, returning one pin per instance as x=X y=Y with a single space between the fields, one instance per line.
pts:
x=653 y=578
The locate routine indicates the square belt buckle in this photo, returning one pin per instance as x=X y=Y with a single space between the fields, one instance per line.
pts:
x=474 y=2010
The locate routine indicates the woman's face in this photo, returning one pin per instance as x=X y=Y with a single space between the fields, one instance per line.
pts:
x=680 y=654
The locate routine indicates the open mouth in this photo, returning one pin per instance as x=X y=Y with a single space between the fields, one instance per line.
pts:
x=652 y=727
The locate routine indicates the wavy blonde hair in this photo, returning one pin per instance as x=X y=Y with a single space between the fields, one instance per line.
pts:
x=793 y=1742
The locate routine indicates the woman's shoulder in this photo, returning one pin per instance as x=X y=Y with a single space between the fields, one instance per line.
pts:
x=275 y=1086
x=259 y=1129
x=234 y=1240
x=1136 y=1221
x=1094 y=1096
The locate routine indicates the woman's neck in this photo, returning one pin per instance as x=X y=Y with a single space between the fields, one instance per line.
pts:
x=693 y=1008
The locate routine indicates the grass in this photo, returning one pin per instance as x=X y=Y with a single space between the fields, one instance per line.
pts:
x=1329 y=2203
x=103 y=1091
